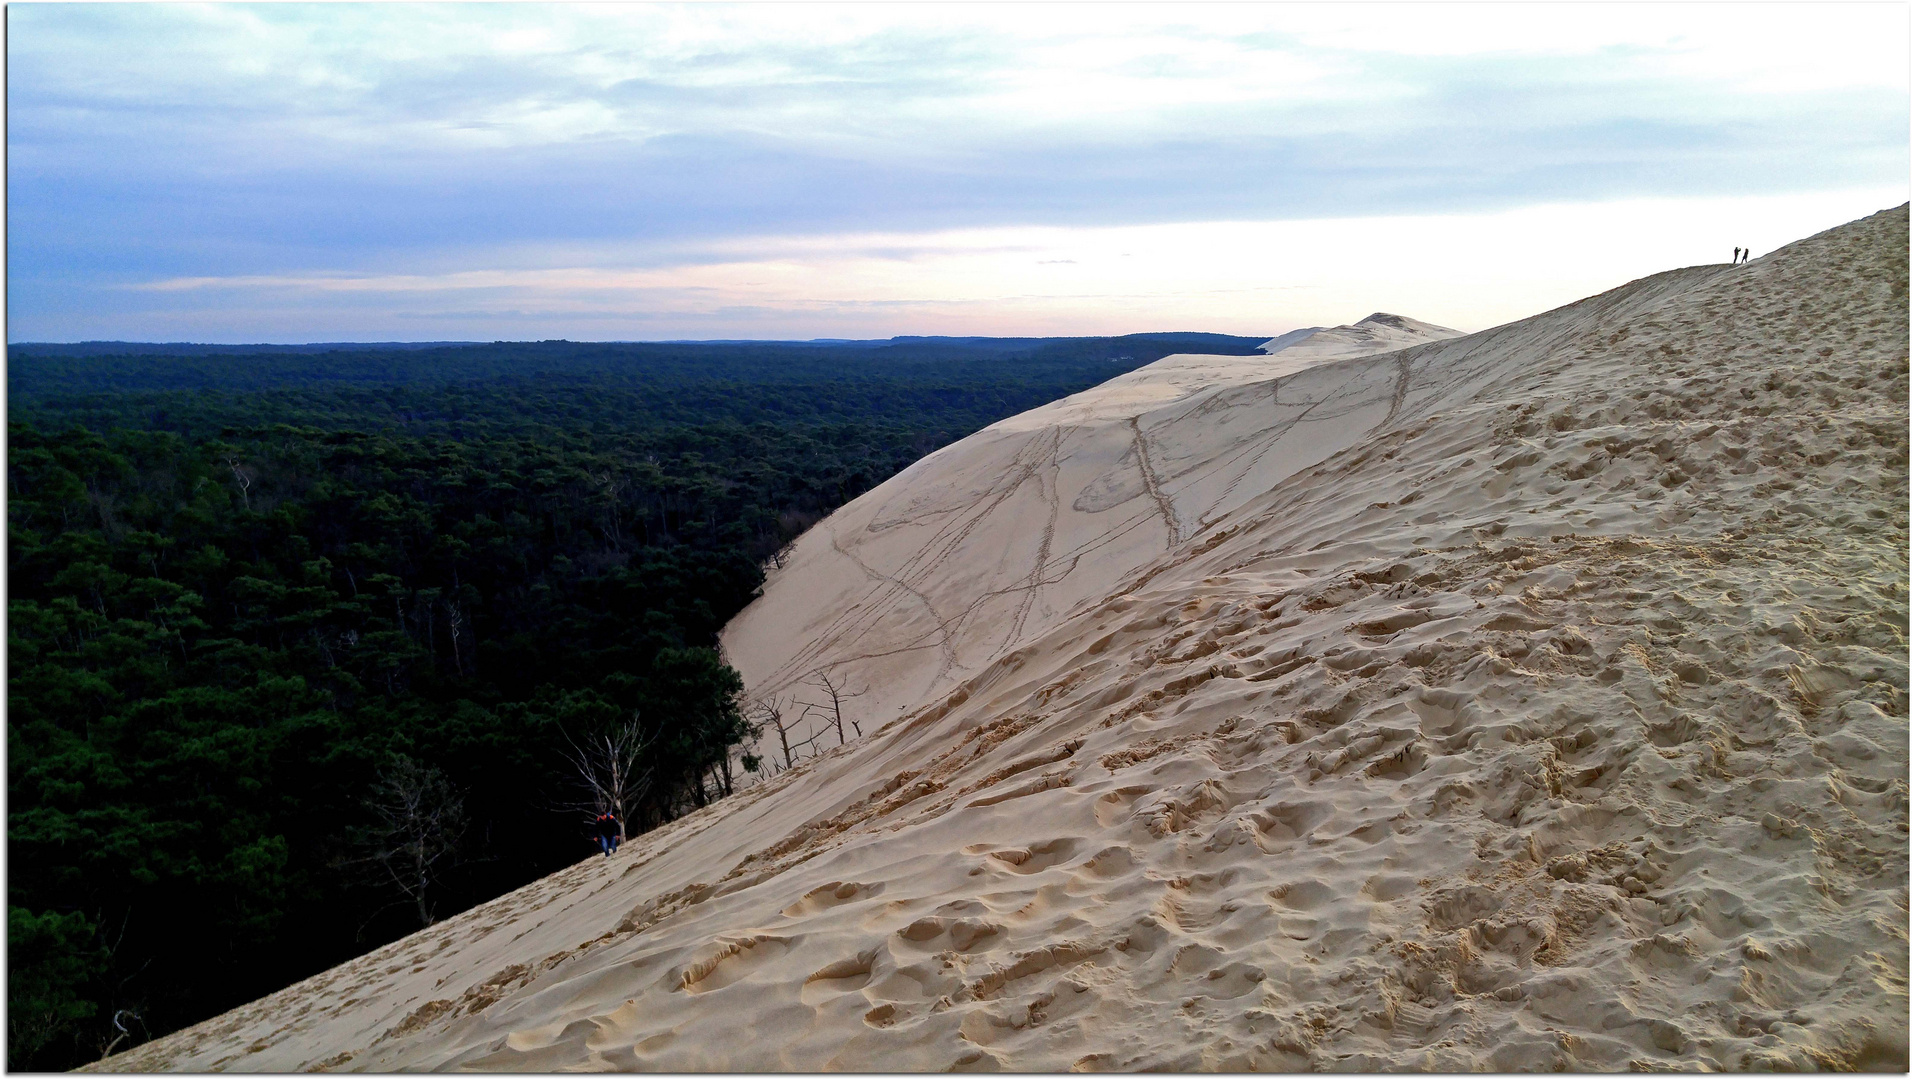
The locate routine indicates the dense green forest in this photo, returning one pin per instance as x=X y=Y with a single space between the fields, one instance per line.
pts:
x=298 y=641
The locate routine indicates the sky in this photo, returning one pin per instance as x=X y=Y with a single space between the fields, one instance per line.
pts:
x=347 y=172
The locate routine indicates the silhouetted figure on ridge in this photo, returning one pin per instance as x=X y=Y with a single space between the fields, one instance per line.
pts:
x=1735 y=256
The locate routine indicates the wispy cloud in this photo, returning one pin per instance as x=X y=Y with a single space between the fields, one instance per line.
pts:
x=175 y=152
x=1469 y=271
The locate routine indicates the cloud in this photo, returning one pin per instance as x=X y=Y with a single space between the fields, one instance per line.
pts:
x=1252 y=277
x=154 y=143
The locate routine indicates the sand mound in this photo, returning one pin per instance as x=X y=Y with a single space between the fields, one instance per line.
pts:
x=1546 y=710
x=991 y=541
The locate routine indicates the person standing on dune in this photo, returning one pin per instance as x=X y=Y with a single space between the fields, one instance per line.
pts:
x=1735 y=256
x=609 y=832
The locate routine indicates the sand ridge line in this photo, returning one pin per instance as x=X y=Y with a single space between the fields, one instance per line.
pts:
x=1559 y=725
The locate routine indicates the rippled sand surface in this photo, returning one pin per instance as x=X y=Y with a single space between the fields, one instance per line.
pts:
x=1534 y=699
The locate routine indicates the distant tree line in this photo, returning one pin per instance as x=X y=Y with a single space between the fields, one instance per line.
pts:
x=302 y=652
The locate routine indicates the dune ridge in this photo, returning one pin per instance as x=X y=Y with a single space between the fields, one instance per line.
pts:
x=988 y=542
x=1546 y=710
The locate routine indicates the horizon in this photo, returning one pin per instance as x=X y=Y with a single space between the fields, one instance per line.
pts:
x=366 y=173
x=640 y=341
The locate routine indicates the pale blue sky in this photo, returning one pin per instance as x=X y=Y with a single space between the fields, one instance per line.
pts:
x=369 y=172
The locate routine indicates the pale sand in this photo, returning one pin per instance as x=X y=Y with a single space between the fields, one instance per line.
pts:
x=1547 y=709
x=988 y=543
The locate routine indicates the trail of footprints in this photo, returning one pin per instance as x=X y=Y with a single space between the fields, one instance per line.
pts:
x=1204 y=930
x=1594 y=707
x=1354 y=787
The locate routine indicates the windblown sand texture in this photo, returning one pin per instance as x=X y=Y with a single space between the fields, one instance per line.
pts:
x=986 y=544
x=1547 y=709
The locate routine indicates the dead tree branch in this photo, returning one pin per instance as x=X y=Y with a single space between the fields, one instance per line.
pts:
x=838 y=691
x=607 y=770
x=768 y=713
x=420 y=819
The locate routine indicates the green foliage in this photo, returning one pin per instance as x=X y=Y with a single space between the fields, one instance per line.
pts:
x=53 y=961
x=232 y=609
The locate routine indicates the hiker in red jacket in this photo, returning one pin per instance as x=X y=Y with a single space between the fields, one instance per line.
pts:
x=609 y=832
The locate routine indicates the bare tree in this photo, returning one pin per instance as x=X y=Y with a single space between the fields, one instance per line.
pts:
x=782 y=555
x=838 y=691
x=420 y=819
x=768 y=713
x=455 y=618
x=107 y=1051
x=773 y=714
x=606 y=767
x=243 y=476
x=612 y=486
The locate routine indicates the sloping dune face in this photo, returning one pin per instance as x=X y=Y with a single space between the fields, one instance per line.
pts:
x=990 y=542
x=1553 y=718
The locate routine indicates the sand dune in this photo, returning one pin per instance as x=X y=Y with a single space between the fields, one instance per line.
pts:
x=989 y=542
x=1534 y=699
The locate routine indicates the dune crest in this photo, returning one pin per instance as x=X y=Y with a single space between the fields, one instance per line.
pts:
x=1534 y=699
x=989 y=542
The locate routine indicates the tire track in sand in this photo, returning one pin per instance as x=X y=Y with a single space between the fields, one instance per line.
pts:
x=1154 y=483
x=855 y=623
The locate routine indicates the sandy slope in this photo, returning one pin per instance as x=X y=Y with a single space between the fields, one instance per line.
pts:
x=988 y=543
x=1552 y=716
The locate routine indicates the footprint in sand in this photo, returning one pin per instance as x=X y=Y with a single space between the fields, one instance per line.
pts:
x=1103 y=867
x=1114 y=807
x=919 y=983
x=1302 y=895
x=831 y=894
x=726 y=962
x=839 y=978
x=1280 y=826
x=962 y=933
x=1452 y=909
x=1032 y=859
